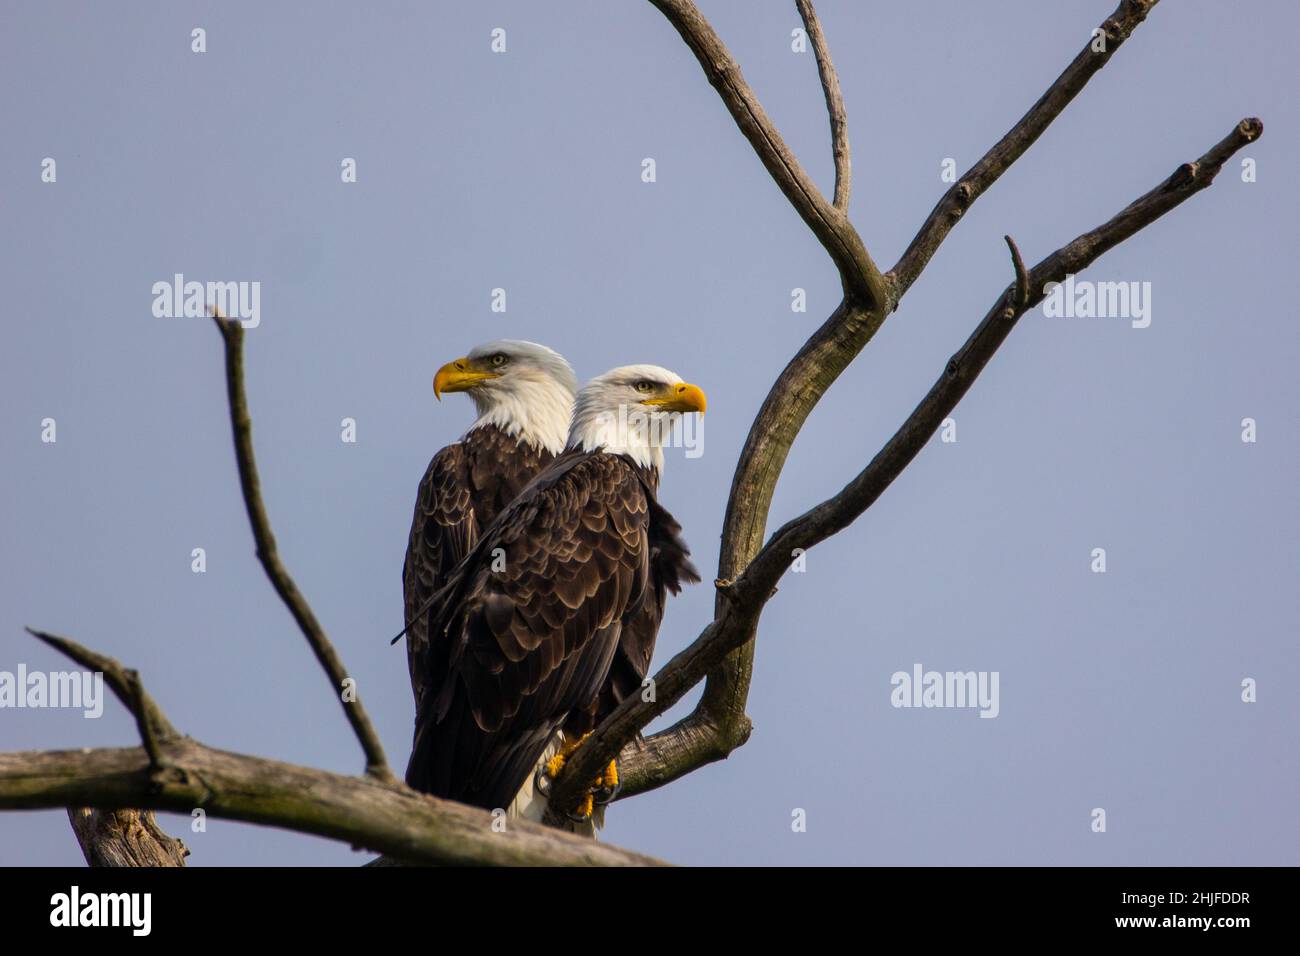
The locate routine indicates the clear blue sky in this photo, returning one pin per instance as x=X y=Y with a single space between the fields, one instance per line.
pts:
x=1118 y=690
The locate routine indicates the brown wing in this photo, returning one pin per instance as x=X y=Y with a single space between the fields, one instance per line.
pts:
x=465 y=486
x=443 y=530
x=670 y=568
x=532 y=620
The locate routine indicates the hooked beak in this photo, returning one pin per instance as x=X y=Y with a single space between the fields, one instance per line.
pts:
x=459 y=376
x=682 y=397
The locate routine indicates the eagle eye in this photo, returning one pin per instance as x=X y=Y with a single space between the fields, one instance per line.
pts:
x=644 y=386
x=499 y=359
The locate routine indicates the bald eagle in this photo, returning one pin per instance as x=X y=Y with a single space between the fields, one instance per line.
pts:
x=552 y=615
x=523 y=393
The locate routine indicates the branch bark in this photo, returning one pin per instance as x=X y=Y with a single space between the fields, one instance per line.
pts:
x=124 y=838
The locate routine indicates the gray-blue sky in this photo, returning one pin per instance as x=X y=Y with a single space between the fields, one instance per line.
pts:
x=523 y=171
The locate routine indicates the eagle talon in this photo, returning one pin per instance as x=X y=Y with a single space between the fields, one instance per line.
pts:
x=549 y=771
x=542 y=782
x=606 y=795
x=582 y=813
x=608 y=785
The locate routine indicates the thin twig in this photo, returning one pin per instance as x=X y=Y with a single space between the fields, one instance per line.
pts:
x=142 y=722
x=128 y=690
x=972 y=184
x=232 y=334
x=1021 y=299
x=834 y=104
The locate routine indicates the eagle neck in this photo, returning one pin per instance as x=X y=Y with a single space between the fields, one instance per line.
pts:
x=536 y=412
x=636 y=435
x=648 y=459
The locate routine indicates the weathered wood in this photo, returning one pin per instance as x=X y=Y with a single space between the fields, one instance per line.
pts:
x=124 y=838
x=363 y=811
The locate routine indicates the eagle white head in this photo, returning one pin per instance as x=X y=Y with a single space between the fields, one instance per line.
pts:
x=523 y=388
x=631 y=410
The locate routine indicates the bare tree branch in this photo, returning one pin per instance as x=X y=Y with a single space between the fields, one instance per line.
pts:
x=364 y=811
x=1096 y=53
x=232 y=334
x=124 y=683
x=180 y=774
x=741 y=602
x=834 y=104
x=121 y=837
x=862 y=280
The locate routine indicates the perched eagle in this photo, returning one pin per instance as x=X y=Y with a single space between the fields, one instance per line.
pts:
x=552 y=616
x=524 y=396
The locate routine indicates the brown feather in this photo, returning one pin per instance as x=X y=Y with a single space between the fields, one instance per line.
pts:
x=466 y=485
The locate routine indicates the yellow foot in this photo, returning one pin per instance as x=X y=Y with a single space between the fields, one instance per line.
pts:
x=606 y=787
x=602 y=790
x=567 y=746
x=555 y=765
x=585 y=807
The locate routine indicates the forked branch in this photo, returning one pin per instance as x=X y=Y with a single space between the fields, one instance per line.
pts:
x=744 y=599
x=861 y=279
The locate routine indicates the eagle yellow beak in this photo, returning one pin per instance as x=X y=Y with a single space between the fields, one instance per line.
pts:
x=682 y=397
x=458 y=376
